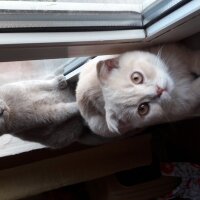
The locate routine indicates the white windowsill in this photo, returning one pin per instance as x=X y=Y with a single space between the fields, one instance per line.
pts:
x=67 y=6
x=71 y=37
x=10 y=145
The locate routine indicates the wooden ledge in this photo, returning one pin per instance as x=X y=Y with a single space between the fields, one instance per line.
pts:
x=83 y=165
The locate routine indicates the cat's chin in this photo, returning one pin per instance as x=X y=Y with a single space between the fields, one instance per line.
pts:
x=165 y=99
x=166 y=95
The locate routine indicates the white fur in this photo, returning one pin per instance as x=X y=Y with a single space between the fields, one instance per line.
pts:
x=108 y=100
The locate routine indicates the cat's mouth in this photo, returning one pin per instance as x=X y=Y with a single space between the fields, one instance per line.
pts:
x=160 y=91
x=164 y=90
x=163 y=93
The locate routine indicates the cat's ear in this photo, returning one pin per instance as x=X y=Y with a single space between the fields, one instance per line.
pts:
x=105 y=67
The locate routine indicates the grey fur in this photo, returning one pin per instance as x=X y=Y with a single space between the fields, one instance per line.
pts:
x=44 y=111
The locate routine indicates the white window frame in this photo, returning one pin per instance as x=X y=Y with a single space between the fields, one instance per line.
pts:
x=31 y=46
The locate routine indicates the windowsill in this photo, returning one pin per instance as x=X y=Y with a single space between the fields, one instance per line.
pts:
x=10 y=145
x=38 y=171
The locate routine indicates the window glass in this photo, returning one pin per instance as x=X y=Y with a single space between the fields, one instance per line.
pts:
x=38 y=69
x=70 y=15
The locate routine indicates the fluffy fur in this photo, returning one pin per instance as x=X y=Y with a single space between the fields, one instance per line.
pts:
x=35 y=108
x=110 y=101
x=55 y=135
x=30 y=104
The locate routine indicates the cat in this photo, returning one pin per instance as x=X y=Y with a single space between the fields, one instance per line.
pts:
x=28 y=78
x=34 y=103
x=134 y=90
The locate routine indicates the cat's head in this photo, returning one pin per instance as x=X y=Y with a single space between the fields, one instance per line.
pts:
x=136 y=88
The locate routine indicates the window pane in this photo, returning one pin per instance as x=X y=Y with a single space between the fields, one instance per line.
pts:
x=83 y=15
x=69 y=16
x=38 y=69
x=159 y=9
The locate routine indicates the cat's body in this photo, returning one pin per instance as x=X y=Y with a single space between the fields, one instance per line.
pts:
x=30 y=104
x=138 y=89
x=55 y=135
x=41 y=107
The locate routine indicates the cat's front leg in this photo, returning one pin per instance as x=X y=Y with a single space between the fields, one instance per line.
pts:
x=4 y=116
x=98 y=125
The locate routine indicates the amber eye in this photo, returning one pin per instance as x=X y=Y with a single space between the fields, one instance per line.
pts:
x=137 y=78
x=143 y=109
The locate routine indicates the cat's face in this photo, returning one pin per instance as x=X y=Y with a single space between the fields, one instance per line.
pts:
x=136 y=88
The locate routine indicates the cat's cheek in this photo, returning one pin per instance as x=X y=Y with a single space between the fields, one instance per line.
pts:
x=170 y=85
x=112 y=122
x=113 y=126
x=156 y=116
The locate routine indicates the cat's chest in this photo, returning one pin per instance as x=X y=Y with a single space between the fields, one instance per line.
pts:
x=48 y=97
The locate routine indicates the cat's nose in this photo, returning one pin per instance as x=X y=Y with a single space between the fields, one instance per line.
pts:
x=159 y=90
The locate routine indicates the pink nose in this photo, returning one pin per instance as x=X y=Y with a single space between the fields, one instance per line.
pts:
x=159 y=91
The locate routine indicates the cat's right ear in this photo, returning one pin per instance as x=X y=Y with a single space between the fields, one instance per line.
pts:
x=105 y=67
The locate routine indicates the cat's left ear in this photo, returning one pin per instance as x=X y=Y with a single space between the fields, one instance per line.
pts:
x=105 y=67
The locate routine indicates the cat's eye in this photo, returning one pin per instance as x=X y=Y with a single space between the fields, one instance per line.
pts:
x=143 y=109
x=137 y=78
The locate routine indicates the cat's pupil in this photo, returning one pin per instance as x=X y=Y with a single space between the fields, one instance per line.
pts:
x=143 y=109
x=137 y=78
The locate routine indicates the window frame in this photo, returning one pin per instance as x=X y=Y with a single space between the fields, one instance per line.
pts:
x=34 y=46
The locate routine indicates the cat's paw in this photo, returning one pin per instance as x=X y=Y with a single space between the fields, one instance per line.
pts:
x=62 y=82
x=3 y=108
x=4 y=115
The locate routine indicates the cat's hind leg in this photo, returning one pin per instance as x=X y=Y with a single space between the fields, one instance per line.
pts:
x=61 y=82
x=57 y=83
